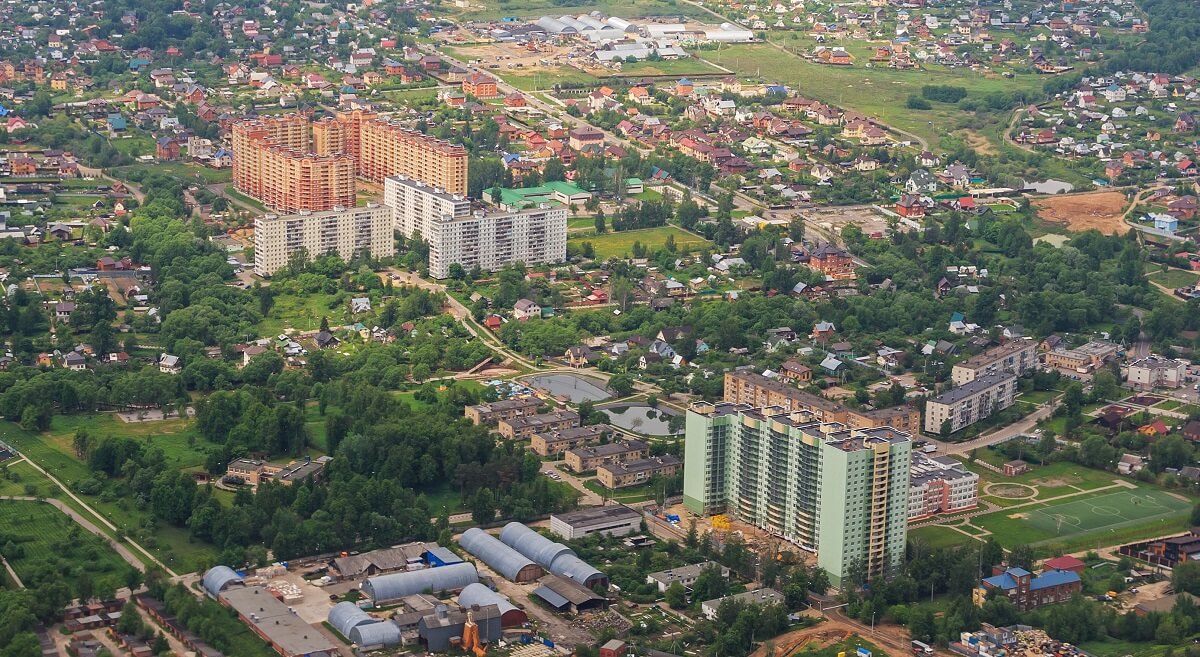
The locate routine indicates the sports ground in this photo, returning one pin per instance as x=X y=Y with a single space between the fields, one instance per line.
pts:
x=1100 y=514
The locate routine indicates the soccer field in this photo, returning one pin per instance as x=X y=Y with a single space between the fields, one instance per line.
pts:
x=1101 y=514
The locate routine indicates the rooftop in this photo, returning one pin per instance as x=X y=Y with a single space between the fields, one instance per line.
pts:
x=271 y=618
x=985 y=382
x=755 y=597
x=597 y=515
x=989 y=356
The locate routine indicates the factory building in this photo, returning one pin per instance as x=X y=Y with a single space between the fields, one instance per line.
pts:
x=478 y=595
x=555 y=557
x=389 y=588
x=509 y=563
x=616 y=520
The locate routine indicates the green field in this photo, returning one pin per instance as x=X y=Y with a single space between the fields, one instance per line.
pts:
x=301 y=312
x=1098 y=515
x=938 y=537
x=35 y=534
x=618 y=245
x=1174 y=278
x=187 y=172
x=669 y=67
x=879 y=92
x=238 y=196
x=134 y=145
x=846 y=647
x=53 y=451
x=545 y=77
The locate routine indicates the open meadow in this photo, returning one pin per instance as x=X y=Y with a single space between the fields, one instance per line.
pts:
x=620 y=244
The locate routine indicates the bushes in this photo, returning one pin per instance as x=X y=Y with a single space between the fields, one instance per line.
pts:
x=942 y=93
x=917 y=103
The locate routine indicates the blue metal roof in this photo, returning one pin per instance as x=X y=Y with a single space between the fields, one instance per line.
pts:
x=555 y=600
x=1053 y=578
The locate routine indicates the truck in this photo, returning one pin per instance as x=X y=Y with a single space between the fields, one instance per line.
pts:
x=921 y=648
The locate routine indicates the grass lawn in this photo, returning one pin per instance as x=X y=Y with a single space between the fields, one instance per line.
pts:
x=581 y=223
x=649 y=195
x=447 y=497
x=939 y=537
x=186 y=172
x=630 y=494
x=42 y=534
x=134 y=145
x=19 y=474
x=1115 y=648
x=1038 y=396
x=545 y=77
x=53 y=451
x=1174 y=278
x=235 y=194
x=301 y=312
x=1169 y=404
x=669 y=67
x=181 y=443
x=419 y=94
x=879 y=92
x=1093 y=516
x=620 y=244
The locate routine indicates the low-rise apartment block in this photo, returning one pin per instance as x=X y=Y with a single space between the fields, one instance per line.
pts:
x=1016 y=356
x=519 y=428
x=940 y=485
x=589 y=458
x=1084 y=358
x=505 y=409
x=344 y=231
x=254 y=472
x=553 y=443
x=1156 y=372
x=685 y=575
x=1028 y=591
x=970 y=402
x=459 y=233
x=632 y=473
x=758 y=391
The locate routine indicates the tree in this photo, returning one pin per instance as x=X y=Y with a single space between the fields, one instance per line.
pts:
x=990 y=554
x=622 y=384
x=601 y=228
x=921 y=625
x=1186 y=577
x=676 y=596
x=1021 y=556
x=483 y=507
x=131 y=620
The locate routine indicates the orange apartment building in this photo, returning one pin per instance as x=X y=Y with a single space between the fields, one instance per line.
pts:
x=480 y=86
x=274 y=163
x=291 y=164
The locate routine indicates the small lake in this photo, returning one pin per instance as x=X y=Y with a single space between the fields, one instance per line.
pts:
x=1050 y=187
x=641 y=418
x=574 y=387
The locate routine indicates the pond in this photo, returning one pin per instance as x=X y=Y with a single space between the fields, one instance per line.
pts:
x=574 y=387
x=640 y=418
x=1050 y=186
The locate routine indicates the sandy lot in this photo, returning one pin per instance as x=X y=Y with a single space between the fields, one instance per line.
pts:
x=1103 y=211
x=867 y=218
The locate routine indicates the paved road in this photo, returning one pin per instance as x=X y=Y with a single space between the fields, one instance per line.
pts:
x=136 y=191
x=1003 y=434
x=128 y=556
x=98 y=516
x=590 y=497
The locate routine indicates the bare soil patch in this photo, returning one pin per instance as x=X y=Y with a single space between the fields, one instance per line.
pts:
x=980 y=143
x=1103 y=211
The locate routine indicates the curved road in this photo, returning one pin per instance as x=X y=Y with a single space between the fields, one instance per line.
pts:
x=128 y=556
x=89 y=526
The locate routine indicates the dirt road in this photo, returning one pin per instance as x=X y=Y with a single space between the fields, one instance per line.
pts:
x=820 y=636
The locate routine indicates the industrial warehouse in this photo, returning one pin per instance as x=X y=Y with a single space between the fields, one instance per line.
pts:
x=416 y=594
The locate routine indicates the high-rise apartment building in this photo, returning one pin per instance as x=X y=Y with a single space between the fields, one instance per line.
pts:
x=387 y=149
x=291 y=164
x=839 y=491
x=457 y=233
x=274 y=162
x=344 y=231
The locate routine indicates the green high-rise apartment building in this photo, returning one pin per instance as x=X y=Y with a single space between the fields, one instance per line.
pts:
x=840 y=492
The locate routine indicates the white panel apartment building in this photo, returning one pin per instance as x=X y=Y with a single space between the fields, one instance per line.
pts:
x=344 y=231
x=940 y=485
x=1156 y=372
x=458 y=234
x=970 y=402
x=1017 y=356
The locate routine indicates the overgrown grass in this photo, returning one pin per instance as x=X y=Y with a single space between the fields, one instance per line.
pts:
x=36 y=535
x=620 y=244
